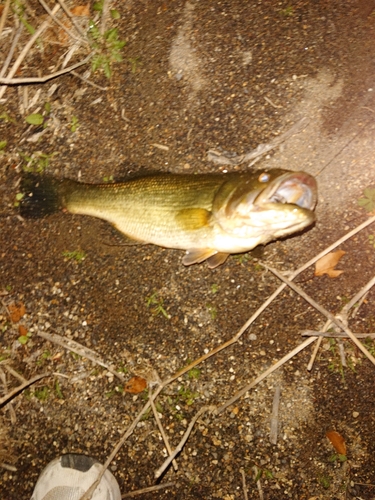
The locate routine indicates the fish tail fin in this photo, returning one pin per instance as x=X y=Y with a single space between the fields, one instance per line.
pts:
x=42 y=196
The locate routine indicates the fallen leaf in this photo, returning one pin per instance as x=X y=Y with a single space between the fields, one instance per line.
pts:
x=326 y=264
x=22 y=330
x=337 y=441
x=135 y=385
x=81 y=10
x=16 y=312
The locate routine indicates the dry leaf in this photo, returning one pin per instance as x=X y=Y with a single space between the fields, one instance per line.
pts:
x=81 y=10
x=22 y=330
x=326 y=264
x=338 y=442
x=135 y=385
x=16 y=312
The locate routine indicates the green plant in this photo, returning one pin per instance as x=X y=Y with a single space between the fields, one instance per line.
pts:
x=3 y=145
x=58 y=390
x=19 y=9
x=337 y=457
x=214 y=288
x=158 y=305
x=19 y=197
x=107 y=46
x=74 y=124
x=77 y=255
x=368 y=200
x=194 y=373
x=371 y=240
x=212 y=310
x=185 y=395
x=324 y=481
x=37 y=162
x=108 y=178
x=287 y=12
x=23 y=339
x=242 y=258
x=134 y=61
x=42 y=393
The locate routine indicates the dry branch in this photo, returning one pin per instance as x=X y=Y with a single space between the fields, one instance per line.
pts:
x=81 y=350
x=21 y=387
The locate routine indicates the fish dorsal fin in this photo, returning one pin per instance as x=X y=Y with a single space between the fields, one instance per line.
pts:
x=197 y=255
x=192 y=219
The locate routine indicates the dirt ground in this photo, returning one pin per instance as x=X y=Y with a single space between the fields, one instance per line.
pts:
x=195 y=76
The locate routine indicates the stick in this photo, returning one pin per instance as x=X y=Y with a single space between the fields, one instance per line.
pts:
x=43 y=79
x=265 y=374
x=180 y=445
x=161 y=429
x=147 y=490
x=324 y=311
x=71 y=17
x=81 y=350
x=4 y=16
x=244 y=487
x=26 y=49
x=275 y=414
x=21 y=387
x=309 y=333
x=59 y=23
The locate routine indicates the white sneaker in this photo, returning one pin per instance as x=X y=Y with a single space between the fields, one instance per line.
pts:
x=70 y=476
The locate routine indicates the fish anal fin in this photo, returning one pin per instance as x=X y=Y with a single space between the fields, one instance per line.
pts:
x=193 y=218
x=197 y=255
x=217 y=259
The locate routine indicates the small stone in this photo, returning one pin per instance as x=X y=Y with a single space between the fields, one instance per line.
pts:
x=355 y=414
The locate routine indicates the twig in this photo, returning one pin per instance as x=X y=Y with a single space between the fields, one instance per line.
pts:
x=81 y=350
x=26 y=49
x=232 y=159
x=148 y=490
x=43 y=79
x=244 y=487
x=161 y=429
x=59 y=23
x=8 y=467
x=324 y=311
x=11 y=50
x=105 y=12
x=4 y=16
x=265 y=374
x=89 y=82
x=180 y=445
x=71 y=17
x=12 y=371
x=314 y=354
x=12 y=413
x=323 y=334
x=272 y=103
x=356 y=298
x=259 y=484
x=21 y=387
x=275 y=415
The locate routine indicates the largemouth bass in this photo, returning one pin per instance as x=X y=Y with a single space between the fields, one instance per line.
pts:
x=208 y=215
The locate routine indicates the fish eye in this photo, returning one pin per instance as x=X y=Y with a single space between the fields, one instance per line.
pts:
x=264 y=177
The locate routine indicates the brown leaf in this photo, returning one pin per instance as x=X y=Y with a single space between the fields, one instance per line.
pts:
x=337 y=441
x=22 y=330
x=81 y=10
x=326 y=264
x=16 y=311
x=135 y=385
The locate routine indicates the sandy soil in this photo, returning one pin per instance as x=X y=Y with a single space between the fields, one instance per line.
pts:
x=195 y=76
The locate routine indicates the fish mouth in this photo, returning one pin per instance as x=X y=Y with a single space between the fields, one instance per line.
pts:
x=292 y=188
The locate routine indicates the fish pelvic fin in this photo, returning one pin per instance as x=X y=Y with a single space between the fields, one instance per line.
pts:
x=42 y=196
x=198 y=255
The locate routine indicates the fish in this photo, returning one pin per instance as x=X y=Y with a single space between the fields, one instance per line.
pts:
x=210 y=216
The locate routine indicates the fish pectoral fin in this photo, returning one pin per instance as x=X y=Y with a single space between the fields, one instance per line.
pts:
x=217 y=259
x=191 y=219
x=198 y=255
